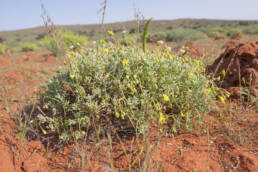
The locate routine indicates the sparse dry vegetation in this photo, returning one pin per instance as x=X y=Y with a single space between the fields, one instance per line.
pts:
x=124 y=97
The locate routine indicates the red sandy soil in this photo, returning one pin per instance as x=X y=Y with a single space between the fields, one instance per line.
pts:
x=219 y=38
x=228 y=143
x=236 y=37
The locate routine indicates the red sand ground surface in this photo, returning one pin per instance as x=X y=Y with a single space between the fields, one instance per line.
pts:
x=227 y=143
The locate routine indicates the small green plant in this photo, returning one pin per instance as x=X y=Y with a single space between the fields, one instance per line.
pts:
x=53 y=43
x=128 y=40
x=29 y=47
x=2 y=48
x=60 y=41
x=220 y=31
x=144 y=35
x=232 y=31
x=157 y=36
x=127 y=88
x=73 y=41
x=181 y=34
x=251 y=30
x=212 y=31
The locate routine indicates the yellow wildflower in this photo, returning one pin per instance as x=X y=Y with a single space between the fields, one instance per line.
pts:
x=222 y=99
x=106 y=76
x=97 y=116
x=207 y=91
x=106 y=50
x=165 y=97
x=117 y=114
x=218 y=78
x=122 y=115
x=43 y=131
x=110 y=32
x=129 y=85
x=45 y=106
x=81 y=50
x=182 y=114
x=71 y=76
x=127 y=77
x=102 y=41
x=125 y=62
x=223 y=73
x=161 y=118
x=71 y=53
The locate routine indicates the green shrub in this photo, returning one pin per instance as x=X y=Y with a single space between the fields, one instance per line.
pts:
x=251 y=30
x=155 y=37
x=73 y=40
x=2 y=39
x=53 y=42
x=60 y=41
x=121 y=87
x=29 y=47
x=127 y=41
x=220 y=31
x=212 y=31
x=232 y=31
x=181 y=34
x=2 y=48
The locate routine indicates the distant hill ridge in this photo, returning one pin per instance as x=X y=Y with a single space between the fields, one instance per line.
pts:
x=93 y=31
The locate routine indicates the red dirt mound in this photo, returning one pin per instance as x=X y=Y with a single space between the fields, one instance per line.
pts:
x=31 y=56
x=236 y=36
x=4 y=62
x=194 y=52
x=239 y=61
x=219 y=38
x=7 y=55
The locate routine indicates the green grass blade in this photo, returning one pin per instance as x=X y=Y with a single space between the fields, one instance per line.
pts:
x=144 y=35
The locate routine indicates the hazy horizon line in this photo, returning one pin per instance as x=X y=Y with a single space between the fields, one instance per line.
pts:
x=125 y=21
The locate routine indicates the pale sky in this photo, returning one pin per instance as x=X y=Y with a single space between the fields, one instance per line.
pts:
x=18 y=14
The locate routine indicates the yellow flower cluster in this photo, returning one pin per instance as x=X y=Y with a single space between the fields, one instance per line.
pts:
x=106 y=50
x=102 y=41
x=106 y=76
x=72 y=76
x=165 y=98
x=207 y=91
x=71 y=53
x=161 y=118
x=222 y=99
x=125 y=62
x=110 y=32
x=45 y=106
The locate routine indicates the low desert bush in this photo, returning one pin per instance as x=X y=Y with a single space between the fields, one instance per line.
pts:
x=2 y=39
x=2 y=48
x=220 y=31
x=251 y=30
x=212 y=31
x=180 y=34
x=230 y=31
x=117 y=88
x=53 y=43
x=29 y=47
x=155 y=37
x=73 y=41
x=59 y=41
